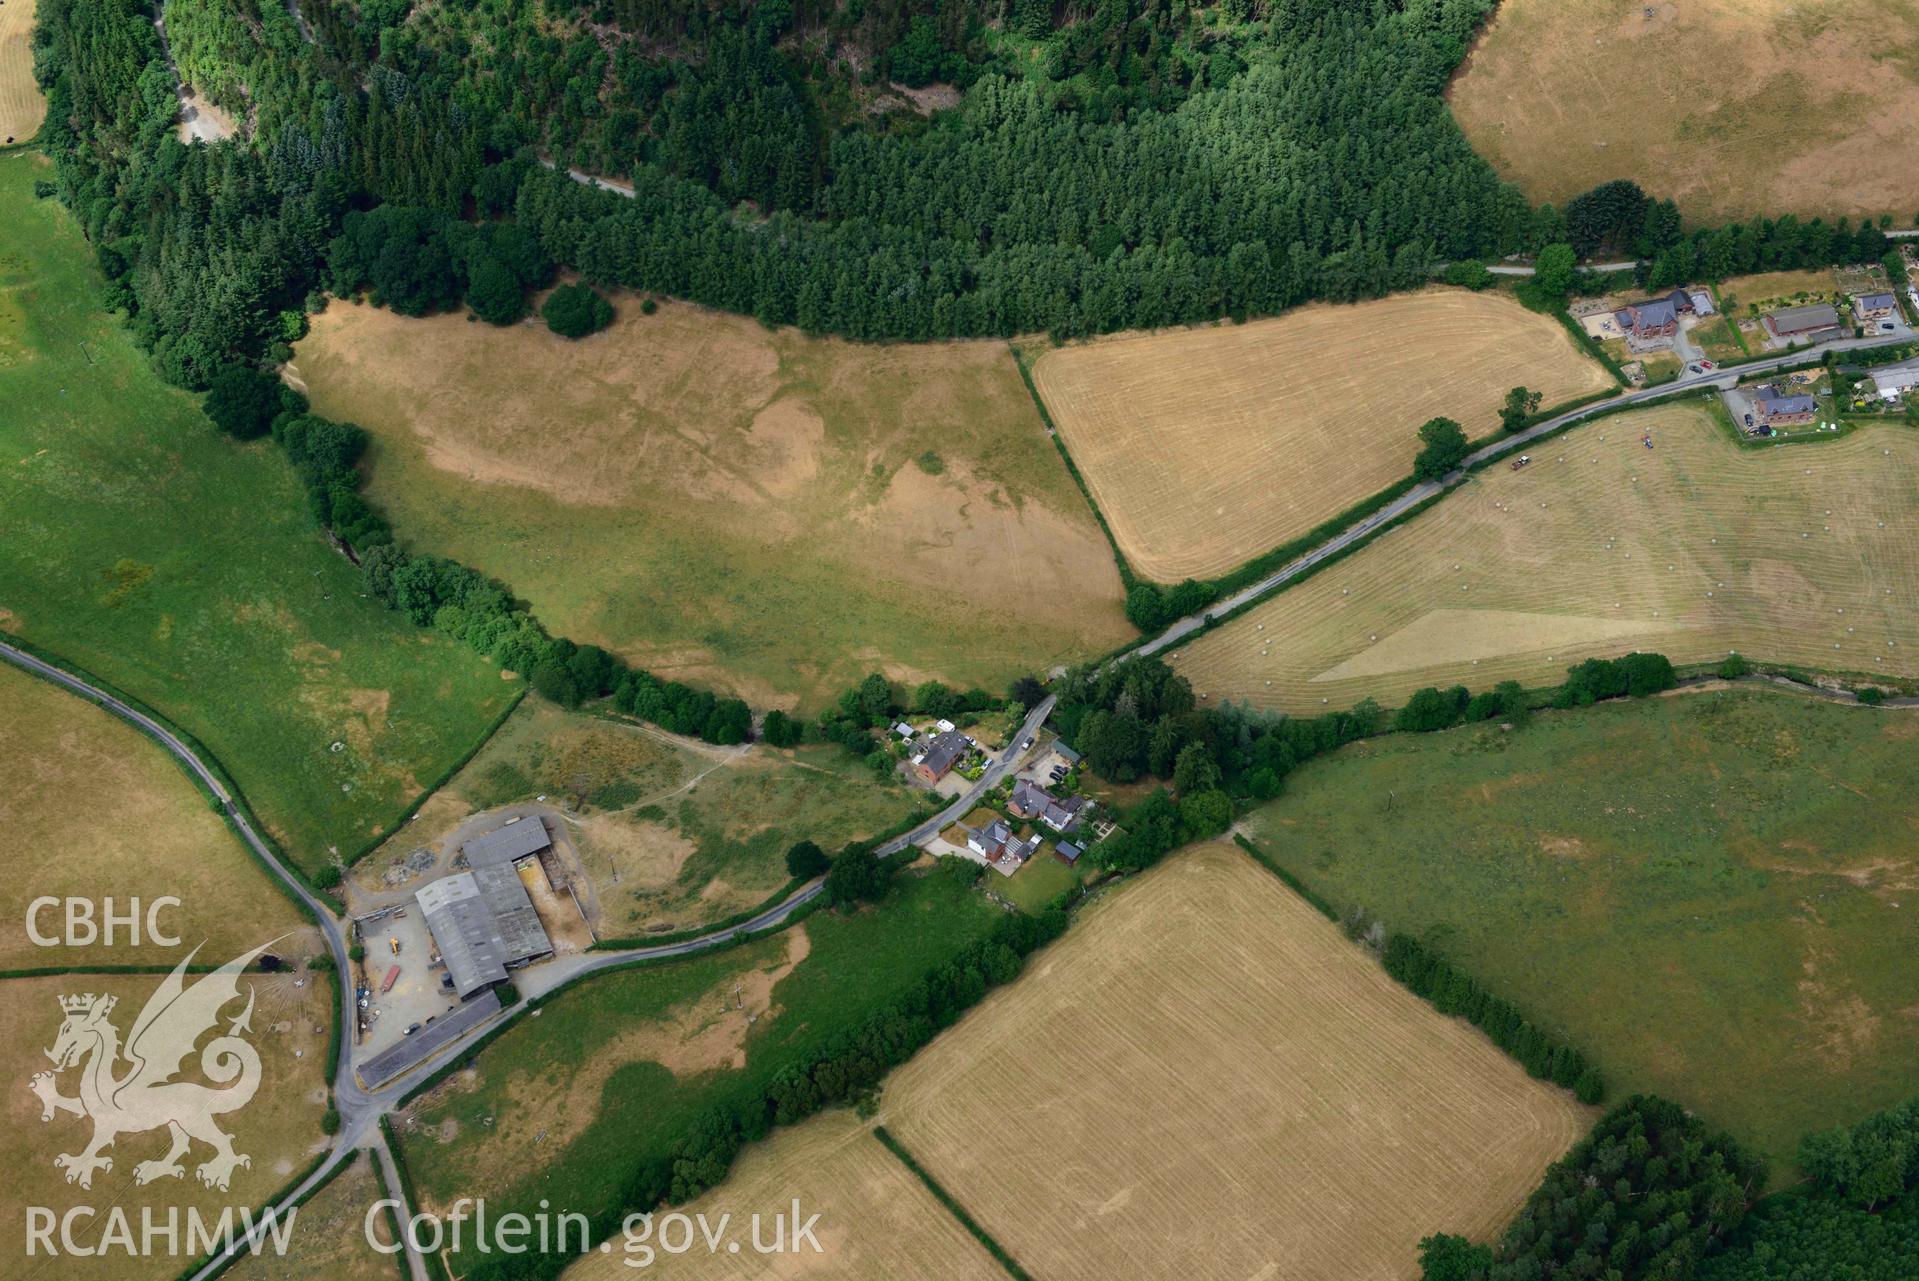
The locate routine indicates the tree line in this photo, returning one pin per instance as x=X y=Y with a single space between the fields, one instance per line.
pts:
x=1651 y=1193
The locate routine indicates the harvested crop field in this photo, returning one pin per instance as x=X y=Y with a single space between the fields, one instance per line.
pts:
x=22 y=107
x=1205 y=1049
x=877 y=1222
x=1795 y=554
x=279 y=1129
x=94 y=807
x=1738 y=107
x=760 y=511
x=1710 y=894
x=1206 y=447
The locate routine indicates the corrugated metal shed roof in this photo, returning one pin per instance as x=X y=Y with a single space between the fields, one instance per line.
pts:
x=463 y=929
x=503 y=845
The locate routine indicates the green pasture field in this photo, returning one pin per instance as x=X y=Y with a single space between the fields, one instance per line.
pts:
x=1712 y=895
x=139 y=544
x=617 y=1069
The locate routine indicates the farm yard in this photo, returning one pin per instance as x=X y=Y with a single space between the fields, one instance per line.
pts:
x=670 y=832
x=1733 y=108
x=92 y=804
x=1267 y=1070
x=241 y=625
x=279 y=1129
x=22 y=107
x=616 y=1070
x=1692 y=548
x=877 y=1221
x=1711 y=893
x=762 y=512
x=1206 y=447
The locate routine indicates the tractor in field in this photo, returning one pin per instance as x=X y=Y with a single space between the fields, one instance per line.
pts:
x=1522 y=461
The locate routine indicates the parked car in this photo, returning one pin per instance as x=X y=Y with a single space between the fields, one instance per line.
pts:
x=1748 y=420
x=411 y=1029
x=1705 y=364
x=1694 y=368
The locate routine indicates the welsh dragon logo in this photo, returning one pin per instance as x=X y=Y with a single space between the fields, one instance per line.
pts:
x=144 y=1096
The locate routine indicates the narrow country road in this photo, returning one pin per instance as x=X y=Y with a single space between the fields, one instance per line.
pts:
x=1721 y=379
x=361 y=1107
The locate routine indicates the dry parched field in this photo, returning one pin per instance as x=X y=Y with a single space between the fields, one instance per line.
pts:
x=279 y=1129
x=1797 y=554
x=877 y=1221
x=92 y=808
x=329 y=1241
x=769 y=513
x=1206 y=447
x=1731 y=107
x=21 y=106
x=1205 y=1068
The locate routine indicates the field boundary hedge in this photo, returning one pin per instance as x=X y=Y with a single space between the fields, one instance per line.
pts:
x=1126 y=575
x=446 y=776
x=1452 y=992
x=1293 y=883
x=1001 y=1255
x=287 y=865
x=186 y=1273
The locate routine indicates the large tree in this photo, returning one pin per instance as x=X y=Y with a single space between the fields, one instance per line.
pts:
x=1442 y=447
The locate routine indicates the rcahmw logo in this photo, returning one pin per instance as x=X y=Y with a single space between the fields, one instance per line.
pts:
x=128 y=1088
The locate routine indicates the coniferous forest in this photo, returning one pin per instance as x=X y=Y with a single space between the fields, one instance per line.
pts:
x=1126 y=164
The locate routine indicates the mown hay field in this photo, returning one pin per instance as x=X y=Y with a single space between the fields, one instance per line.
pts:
x=877 y=1221
x=1206 y=447
x=760 y=511
x=671 y=833
x=1710 y=894
x=279 y=1129
x=139 y=543
x=1796 y=554
x=1733 y=108
x=1205 y=1068
x=22 y=107
x=92 y=808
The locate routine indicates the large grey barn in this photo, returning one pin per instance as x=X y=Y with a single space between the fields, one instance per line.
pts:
x=483 y=920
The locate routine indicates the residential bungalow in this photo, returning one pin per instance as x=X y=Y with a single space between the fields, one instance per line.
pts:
x=1775 y=410
x=1031 y=801
x=940 y=755
x=1874 y=306
x=1809 y=323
